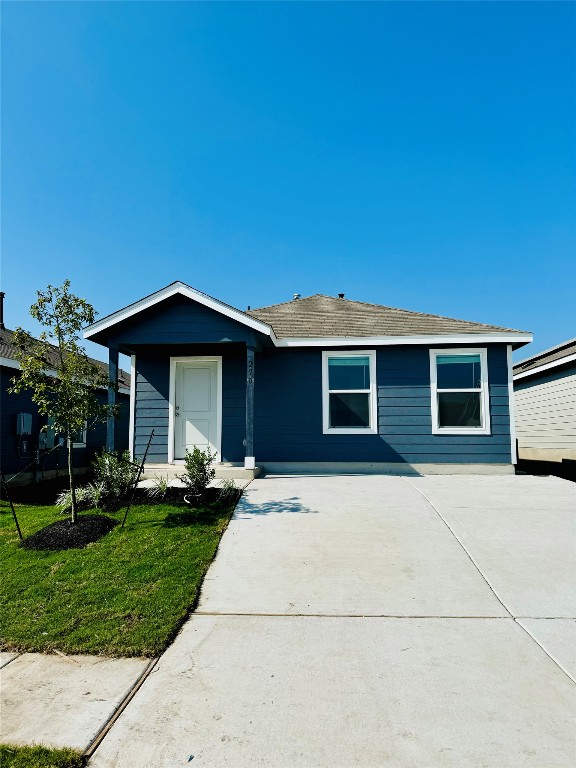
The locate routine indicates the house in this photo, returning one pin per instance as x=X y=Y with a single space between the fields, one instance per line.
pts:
x=545 y=405
x=314 y=383
x=24 y=445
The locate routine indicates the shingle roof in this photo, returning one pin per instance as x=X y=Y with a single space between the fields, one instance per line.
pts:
x=325 y=316
x=8 y=350
x=552 y=355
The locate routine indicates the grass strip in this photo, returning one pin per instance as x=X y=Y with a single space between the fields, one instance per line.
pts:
x=124 y=595
x=39 y=757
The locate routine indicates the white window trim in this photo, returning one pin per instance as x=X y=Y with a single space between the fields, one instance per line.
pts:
x=484 y=392
x=82 y=443
x=172 y=401
x=373 y=428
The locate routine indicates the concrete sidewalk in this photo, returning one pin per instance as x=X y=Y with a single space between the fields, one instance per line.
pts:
x=62 y=701
x=373 y=621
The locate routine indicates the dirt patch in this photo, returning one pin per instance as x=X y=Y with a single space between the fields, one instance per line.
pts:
x=63 y=535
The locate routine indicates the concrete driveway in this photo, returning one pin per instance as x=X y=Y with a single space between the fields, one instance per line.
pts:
x=373 y=621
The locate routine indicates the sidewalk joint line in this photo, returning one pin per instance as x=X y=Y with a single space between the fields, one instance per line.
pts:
x=133 y=690
x=17 y=654
x=493 y=590
x=344 y=615
x=546 y=651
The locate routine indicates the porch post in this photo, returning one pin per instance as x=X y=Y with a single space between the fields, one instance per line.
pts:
x=249 y=461
x=112 y=388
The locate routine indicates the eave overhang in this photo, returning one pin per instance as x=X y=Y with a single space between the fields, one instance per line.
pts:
x=174 y=289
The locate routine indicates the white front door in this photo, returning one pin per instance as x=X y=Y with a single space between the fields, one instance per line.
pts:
x=196 y=408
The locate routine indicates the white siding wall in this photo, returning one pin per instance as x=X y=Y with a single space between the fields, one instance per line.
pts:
x=546 y=414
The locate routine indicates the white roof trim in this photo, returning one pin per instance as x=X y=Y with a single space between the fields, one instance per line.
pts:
x=349 y=341
x=9 y=363
x=172 y=290
x=546 y=367
x=545 y=352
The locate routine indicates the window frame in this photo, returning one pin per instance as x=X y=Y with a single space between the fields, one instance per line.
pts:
x=484 y=391
x=372 y=393
x=82 y=444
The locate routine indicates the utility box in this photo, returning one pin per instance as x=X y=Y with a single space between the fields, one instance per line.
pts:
x=24 y=424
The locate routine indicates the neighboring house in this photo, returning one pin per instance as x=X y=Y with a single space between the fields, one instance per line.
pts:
x=545 y=395
x=317 y=382
x=22 y=439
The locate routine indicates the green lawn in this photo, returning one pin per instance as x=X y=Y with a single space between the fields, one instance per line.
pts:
x=125 y=595
x=39 y=757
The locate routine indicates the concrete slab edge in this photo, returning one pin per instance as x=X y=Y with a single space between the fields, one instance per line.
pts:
x=9 y=661
x=381 y=468
x=100 y=736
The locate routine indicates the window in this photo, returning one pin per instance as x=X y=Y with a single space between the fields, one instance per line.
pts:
x=459 y=390
x=349 y=392
x=79 y=439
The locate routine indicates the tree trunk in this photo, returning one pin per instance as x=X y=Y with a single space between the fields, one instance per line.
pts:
x=74 y=511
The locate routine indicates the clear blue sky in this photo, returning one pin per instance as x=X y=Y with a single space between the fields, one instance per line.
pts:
x=420 y=155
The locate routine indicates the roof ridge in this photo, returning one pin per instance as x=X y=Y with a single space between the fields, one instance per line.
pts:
x=387 y=306
x=289 y=302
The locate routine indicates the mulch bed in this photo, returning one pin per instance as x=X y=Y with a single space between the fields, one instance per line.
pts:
x=63 y=535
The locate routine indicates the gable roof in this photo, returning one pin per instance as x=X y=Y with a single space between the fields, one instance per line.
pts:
x=172 y=290
x=322 y=316
x=549 y=358
x=8 y=357
x=328 y=321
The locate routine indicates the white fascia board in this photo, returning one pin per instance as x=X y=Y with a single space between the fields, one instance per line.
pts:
x=172 y=290
x=546 y=351
x=353 y=341
x=9 y=363
x=547 y=367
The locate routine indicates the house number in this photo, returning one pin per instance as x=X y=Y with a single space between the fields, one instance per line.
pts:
x=250 y=377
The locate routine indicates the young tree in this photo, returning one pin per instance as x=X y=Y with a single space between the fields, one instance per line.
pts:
x=63 y=380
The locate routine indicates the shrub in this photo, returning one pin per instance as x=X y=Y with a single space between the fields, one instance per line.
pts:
x=227 y=492
x=84 y=499
x=199 y=472
x=97 y=491
x=114 y=475
x=158 y=491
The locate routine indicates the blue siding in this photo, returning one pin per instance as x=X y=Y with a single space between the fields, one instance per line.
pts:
x=288 y=409
x=13 y=404
x=288 y=421
x=177 y=320
x=151 y=406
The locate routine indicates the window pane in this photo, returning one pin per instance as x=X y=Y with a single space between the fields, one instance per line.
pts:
x=78 y=437
x=458 y=371
x=349 y=410
x=459 y=409
x=349 y=372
